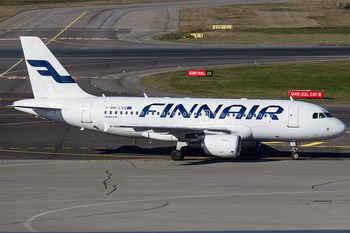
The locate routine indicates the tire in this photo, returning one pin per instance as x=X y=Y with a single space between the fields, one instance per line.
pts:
x=295 y=156
x=177 y=155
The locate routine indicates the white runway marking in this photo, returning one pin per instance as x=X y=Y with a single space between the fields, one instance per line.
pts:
x=28 y=222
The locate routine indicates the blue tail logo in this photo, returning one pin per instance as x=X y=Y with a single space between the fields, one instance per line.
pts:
x=50 y=71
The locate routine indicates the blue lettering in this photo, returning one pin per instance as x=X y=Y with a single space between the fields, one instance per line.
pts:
x=239 y=113
x=166 y=110
x=183 y=111
x=207 y=109
x=252 y=112
x=278 y=110
x=146 y=109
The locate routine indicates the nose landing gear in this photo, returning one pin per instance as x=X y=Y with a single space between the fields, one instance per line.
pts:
x=294 y=145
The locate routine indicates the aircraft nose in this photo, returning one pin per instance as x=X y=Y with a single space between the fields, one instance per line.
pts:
x=340 y=128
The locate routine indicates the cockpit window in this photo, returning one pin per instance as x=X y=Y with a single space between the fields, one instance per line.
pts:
x=322 y=115
x=328 y=115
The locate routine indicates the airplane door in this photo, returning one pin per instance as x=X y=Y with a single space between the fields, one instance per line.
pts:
x=293 y=117
x=86 y=112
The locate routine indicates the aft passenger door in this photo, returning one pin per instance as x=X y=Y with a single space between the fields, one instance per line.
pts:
x=86 y=112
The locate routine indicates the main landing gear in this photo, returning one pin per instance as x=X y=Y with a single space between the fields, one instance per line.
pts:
x=294 y=145
x=179 y=153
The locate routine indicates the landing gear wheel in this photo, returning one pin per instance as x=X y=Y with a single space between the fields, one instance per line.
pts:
x=295 y=155
x=177 y=155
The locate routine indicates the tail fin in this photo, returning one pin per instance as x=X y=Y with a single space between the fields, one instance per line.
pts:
x=47 y=76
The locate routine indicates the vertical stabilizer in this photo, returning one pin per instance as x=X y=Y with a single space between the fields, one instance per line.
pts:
x=47 y=76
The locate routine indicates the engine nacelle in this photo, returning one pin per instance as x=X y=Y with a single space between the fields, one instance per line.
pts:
x=228 y=146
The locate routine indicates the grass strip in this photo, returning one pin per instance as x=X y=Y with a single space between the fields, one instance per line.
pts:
x=262 y=81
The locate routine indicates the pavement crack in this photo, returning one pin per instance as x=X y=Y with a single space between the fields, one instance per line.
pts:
x=106 y=185
x=133 y=165
x=331 y=182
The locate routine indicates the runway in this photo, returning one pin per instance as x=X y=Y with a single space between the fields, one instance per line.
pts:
x=58 y=178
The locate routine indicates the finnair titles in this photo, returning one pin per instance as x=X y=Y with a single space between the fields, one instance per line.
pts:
x=217 y=127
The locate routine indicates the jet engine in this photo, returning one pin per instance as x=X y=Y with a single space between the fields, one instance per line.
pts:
x=226 y=145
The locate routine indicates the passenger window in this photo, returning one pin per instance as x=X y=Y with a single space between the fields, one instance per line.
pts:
x=322 y=115
x=315 y=115
x=105 y=112
x=121 y=112
x=115 y=112
x=126 y=112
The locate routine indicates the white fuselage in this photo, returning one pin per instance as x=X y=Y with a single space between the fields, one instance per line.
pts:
x=171 y=119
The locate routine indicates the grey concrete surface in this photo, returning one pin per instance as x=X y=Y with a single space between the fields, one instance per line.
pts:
x=190 y=195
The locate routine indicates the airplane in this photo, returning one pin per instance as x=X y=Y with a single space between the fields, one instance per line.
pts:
x=217 y=127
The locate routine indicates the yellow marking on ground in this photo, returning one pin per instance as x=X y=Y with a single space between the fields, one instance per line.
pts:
x=16 y=114
x=28 y=122
x=115 y=148
x=272 y=142
x=1 y=75
x=312 y=144
x=10 y=99
x=49 y=148
x=32 y=164
x=113 y=157
x=100 y=148
x=66 y=28
x=32 y=148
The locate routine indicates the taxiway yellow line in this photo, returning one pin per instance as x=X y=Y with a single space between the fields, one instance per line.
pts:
x=28 y=122
x=32 y=164
x=1 y=75
x=66 y=27
x=311 y=144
